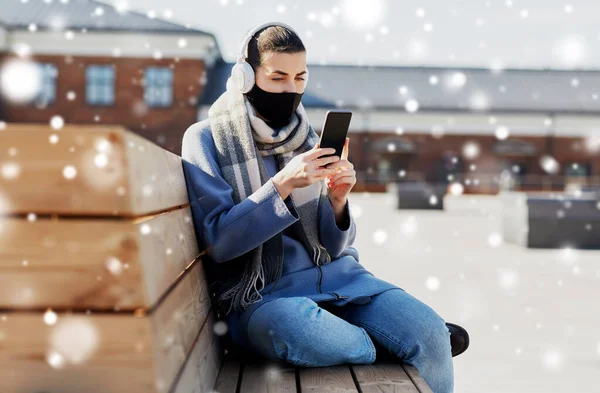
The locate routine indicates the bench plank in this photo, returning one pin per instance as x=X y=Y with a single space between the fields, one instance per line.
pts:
x=229 y=373
x=135 y=352
x=334 y=379
x=265 y=376
x=93 y=263
x=417 y=379
x=202 y=365
x=383 y=377
x=116 y=172
x=177 y=321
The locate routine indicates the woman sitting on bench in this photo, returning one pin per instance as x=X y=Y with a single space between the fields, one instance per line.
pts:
x=277 y=227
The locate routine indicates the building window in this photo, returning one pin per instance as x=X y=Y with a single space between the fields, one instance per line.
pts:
x=100 y=85
x=158 y=86
x=578 y=169
x=47 y=94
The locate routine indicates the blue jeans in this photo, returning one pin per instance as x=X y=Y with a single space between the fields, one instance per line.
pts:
x=301 y=332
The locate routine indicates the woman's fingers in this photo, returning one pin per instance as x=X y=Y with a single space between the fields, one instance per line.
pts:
x=345 y=164
x=325 y=160
x=350 y=173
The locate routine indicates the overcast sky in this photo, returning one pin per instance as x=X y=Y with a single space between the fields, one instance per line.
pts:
x=478 y=33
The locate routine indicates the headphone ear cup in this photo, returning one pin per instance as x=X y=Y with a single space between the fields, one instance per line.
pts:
x=243 y=77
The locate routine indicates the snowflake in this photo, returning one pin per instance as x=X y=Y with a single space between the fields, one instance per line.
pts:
x=50 y=317
x=432 y=283
x=145 y=229
x=549 y=164
x=552 y=359
x=220 y=328
x=122 y=7
x=55 y=359
x=495 y=239
x=114 y=266
x=471 y=150
x=455 y=81
x=456 y=189
x=75 y=338
x=411 y=106
x=417 y=48
x=69 y=172
x=479 y=101
x=409 y=226
x=20 y=80
x=570 y=50
x=380 y=236
x=327 y=20
x=362 y=14
x=10 y=170
x=101 y=160
x=508 y=279
x=57 y=122
x=502 y=132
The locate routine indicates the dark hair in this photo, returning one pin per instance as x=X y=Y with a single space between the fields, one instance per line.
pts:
x=273 y=39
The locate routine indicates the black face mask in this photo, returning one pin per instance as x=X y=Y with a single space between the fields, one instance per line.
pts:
x=276 y=108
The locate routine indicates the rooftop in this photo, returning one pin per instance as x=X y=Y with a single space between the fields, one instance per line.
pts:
x=82 y=14
x=442 y=89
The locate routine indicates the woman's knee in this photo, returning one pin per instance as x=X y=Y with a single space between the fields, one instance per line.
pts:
x=276 y=324
x=430 y=335
x=297 y=330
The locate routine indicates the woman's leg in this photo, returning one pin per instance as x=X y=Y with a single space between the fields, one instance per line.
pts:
x=410 y=330
x=298 y=331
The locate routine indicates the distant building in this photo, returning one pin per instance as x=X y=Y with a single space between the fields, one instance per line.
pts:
x=104 y=65
x=439 y=124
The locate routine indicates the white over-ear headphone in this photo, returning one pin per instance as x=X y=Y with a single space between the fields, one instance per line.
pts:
x=242 y=74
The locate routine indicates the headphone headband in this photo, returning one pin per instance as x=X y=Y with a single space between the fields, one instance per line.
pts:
x=243 y=54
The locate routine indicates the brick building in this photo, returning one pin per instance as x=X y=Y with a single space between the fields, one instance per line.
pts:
x=475 y=126
x=100 y=64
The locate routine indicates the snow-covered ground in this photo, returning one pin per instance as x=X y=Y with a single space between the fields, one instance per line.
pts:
x=533 y=315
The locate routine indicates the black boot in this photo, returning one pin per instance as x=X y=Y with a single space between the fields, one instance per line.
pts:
x=459 y=339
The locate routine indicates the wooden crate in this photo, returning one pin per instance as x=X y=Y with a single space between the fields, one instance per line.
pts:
x=103 y=288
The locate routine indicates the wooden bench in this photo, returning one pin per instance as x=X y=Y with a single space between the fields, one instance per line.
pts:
x=103 y=288
x=551 y=219
x=260 y=375
x=421 y=195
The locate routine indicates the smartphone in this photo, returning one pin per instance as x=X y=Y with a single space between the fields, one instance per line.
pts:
x=335 y=130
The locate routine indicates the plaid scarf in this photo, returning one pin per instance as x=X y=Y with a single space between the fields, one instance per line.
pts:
x=240 y=148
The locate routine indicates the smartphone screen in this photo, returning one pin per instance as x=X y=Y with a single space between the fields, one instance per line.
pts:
x=335 y=130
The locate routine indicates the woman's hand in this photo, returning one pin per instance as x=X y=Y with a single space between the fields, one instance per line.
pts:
x=305 y=169
x=340 y=184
